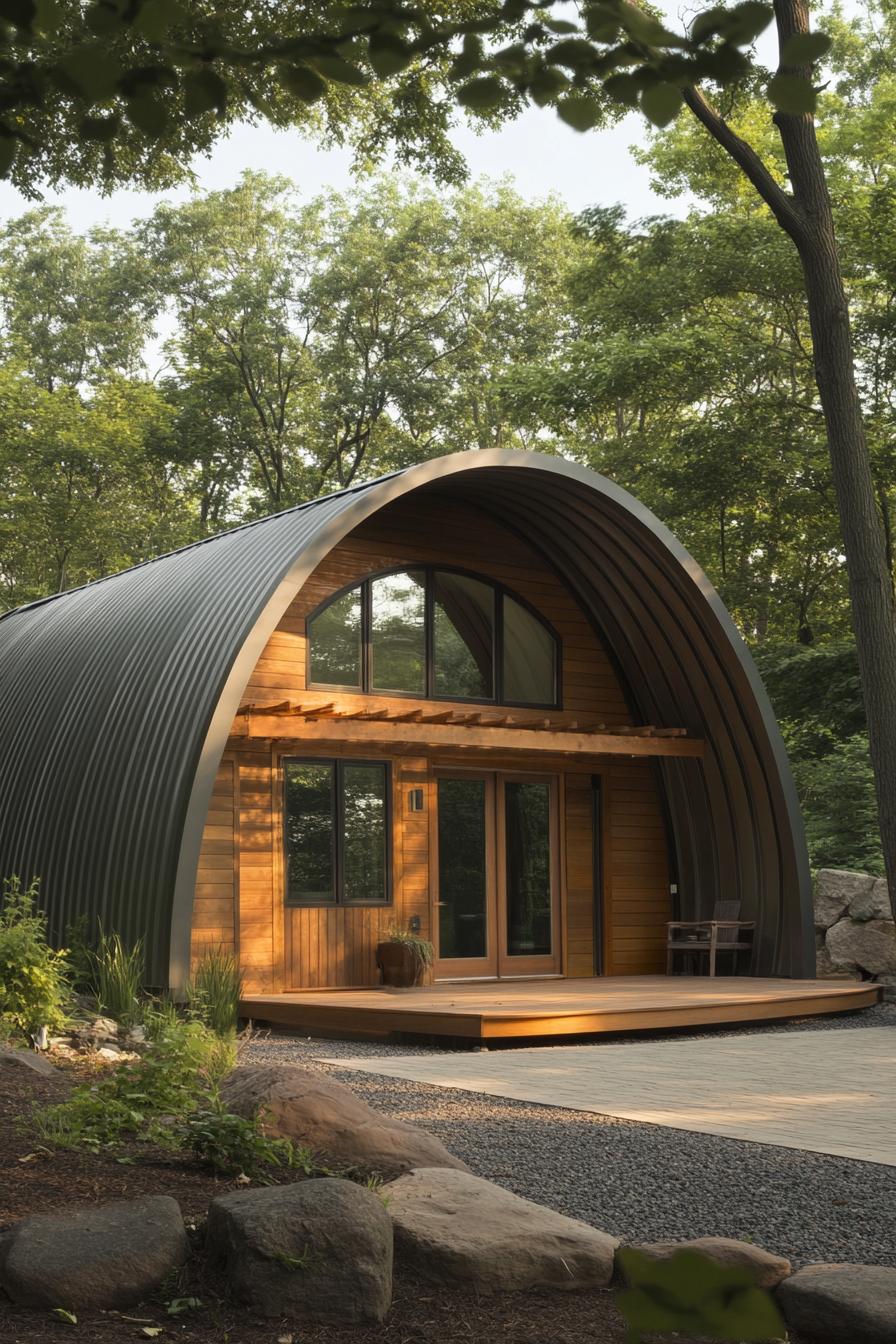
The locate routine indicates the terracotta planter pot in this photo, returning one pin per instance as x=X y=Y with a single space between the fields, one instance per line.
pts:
x=400 y=965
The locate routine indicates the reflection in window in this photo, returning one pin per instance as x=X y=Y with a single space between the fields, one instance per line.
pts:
x=398 y=633
x=436 y=633
x=463 y=636
x=463 y=869
x=529 y=657
x=335 y=639
x=364 y=832
x=336 y=831
x=528 y=824
x=309 y=822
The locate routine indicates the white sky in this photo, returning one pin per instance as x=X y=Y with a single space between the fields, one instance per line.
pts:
x=541 y=153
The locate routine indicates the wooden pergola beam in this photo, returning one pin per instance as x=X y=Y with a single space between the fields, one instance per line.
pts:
x=342 y=730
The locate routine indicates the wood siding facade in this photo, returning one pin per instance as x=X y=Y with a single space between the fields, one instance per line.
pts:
x=239 y=901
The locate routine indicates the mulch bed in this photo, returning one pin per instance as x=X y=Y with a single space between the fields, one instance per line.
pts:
x=34 y=1180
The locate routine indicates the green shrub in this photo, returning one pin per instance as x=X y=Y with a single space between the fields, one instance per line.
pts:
x=235 y=1145
x=116 y=977
x=78 y=954
x=33 y=982
x=215 y=990
x=139 y=1100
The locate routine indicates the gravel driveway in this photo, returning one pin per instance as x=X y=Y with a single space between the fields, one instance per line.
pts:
x=640 y=1181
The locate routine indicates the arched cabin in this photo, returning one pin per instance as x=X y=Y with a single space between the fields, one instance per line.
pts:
x=489 y=697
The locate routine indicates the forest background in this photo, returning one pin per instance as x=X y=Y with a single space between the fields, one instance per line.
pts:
x=252 y=348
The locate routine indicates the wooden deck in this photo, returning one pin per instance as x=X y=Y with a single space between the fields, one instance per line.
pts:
x=514 y=1010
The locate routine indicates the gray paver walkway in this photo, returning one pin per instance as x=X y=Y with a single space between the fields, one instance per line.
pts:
x=824 y=1091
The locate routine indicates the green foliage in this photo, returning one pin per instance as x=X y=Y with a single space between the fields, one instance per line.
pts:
x=816 y=694
x=123 y=79
x=690 y=1294
x=140 y=1099
x=78 y=953
x=422 y=948
x=835 y=783
x=116 y=977
x=33 y=981
x=817 y=684
x=234 y=1144
x=215 y=990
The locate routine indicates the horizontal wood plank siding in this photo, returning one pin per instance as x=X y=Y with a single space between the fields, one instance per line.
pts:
x=214 y=904
x=636 y=893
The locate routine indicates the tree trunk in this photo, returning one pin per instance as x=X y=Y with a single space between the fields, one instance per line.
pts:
x=864 y=542
x=806 y=215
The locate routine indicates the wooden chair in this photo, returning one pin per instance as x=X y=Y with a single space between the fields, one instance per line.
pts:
x=722 y=933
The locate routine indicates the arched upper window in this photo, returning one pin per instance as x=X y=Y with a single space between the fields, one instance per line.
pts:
x=435 y=633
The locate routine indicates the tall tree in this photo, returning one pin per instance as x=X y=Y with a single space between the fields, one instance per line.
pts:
x=315 y=343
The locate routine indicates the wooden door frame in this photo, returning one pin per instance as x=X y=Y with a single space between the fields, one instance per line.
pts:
x=467 y=968
x=519 y=968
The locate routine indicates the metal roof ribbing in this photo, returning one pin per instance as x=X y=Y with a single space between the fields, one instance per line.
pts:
x=116 y=701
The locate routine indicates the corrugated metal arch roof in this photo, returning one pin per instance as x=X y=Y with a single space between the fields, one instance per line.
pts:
x=116 y=700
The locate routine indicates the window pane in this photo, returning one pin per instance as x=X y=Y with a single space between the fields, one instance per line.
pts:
x=463 y=637
x=309 y=827
x=528 y=823
x=398 y=635
x=335 y=639
x=529 y=662
x=463 y=870
x=364 y=839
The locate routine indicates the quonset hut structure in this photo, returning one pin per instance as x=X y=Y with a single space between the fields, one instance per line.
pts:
x=489 y=697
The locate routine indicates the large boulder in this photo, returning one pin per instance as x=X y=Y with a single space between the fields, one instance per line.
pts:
x=871 y=945
x=841 y=1304
x=319 y=1251
x=12 y=1060
x=827 y=969
x=835 y=889
x=102 y=1257
x=458 y=1229
x=767 y=1270
x=322 y=1114
x=872 y=904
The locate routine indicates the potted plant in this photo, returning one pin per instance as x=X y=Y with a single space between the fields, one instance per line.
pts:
x=404 y=958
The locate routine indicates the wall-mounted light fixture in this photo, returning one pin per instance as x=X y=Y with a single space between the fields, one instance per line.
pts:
x=415 y=800
x=414 y=924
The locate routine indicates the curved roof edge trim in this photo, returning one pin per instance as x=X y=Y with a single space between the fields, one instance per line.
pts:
x=359 y=505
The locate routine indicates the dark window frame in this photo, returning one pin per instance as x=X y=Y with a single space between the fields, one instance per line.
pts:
x=337 y=803
x=500 y=590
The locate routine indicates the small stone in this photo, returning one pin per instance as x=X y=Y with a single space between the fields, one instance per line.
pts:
x=102 y=1257
x=873 y=904
x=319 y=1251
x=871 y=945
x=841 y=1304
x=137 y=1035
x=767 y=1270
x=99 y=1029
x=457 y=1229
x=835 y=888
x=109 y=1052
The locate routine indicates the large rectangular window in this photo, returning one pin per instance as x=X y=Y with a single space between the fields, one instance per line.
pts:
x=336 y=818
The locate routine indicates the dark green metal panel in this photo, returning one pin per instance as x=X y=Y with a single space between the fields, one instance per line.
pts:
x=116 y=701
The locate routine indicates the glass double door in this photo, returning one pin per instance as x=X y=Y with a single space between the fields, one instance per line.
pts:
x=496 y=882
